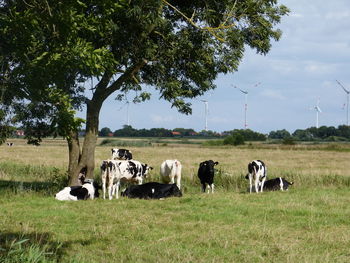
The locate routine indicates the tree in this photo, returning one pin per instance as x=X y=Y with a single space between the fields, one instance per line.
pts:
x=104 y=132
x=279 y=134
x=178 y=47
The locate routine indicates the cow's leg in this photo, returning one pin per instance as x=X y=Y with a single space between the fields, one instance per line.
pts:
x=104 y=187
x=281 y=184
x=178 y=181
x=203 y=188
x=256 y=183
x=262 y=183
x=110 y=190
x=250 y=183
x=116 y=189
x=212 y=188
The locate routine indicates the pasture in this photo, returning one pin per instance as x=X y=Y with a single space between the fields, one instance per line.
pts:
x=309 y=223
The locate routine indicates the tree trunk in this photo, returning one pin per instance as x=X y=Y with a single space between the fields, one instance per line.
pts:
x=84 y=160
x=74 y=157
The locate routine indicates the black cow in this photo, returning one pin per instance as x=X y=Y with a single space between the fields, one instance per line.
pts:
x=152 y=190
x=276 y=184
x=121 y=154
x=206 y=174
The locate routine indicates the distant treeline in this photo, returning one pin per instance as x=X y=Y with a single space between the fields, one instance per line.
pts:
x=342 y=133
x=324 y=133
x=129 y=131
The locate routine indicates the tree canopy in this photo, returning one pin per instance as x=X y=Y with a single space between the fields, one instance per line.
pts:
x=49 y=49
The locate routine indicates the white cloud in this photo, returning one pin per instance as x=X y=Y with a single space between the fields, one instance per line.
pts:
x=162 y=119
x=273 y=94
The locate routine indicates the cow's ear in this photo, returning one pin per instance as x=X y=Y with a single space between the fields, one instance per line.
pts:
x=112 y=150
x=216 y=163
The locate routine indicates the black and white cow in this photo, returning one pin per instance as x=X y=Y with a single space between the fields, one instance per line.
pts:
x=276 y=184
x=257 y=171
x=115 y=171
x=10 y=144
x=89 y=190
x=171 y=170
x=152 y=190
x=121 y=154
x=206 y=174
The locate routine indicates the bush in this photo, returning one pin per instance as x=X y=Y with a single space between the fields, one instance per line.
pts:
x=235 y=139
x=288 y=141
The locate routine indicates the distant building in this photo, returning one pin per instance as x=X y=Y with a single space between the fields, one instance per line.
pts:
x=19 y=133
x=175 y=133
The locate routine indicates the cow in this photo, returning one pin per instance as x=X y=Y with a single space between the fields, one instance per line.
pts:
x=257 y=171
x=275 y=184
x=152 y=190
x=206 y=175
x=171 y=170
x=89 y=189
x=10 y=144
x=115 y=171
x=121 y=154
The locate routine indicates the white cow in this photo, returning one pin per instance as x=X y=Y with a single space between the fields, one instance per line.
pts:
x=115 y=171
x=257 y=171
x=89 y=190
x=171 y=170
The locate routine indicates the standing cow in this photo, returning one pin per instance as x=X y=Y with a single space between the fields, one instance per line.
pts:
x=115 y=171
x=257 y=171
x=171 y=170
x=121 y=154
x=206 y=174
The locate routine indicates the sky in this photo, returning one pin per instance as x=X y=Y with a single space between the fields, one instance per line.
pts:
x=300 y=69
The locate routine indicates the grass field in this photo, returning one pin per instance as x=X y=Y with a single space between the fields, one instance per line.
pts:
x=309 y=223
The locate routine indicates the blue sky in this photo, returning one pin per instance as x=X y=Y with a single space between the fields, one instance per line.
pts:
x=301 y=68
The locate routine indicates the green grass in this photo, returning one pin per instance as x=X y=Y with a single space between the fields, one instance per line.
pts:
x=309 y=223
x=301 y=225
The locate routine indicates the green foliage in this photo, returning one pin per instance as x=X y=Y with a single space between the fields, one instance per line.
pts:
x=179 y=48
x=248 y=135
x=280 y=134
x=105 y=132
x=234 y=139
x=288 y=141
x=323 y=133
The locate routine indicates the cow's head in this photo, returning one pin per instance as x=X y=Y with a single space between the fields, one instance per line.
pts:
x=114 y=153
x=176 y=191
x=208 y=166
x=146 y=169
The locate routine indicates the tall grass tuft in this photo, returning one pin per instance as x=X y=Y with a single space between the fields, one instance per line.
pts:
x=18 y=177
x=23 y=251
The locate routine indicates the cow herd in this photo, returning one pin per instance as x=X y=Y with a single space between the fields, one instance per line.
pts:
x=123 y=168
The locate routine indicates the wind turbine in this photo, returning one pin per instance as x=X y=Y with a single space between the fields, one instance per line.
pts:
x=127 y=113
x=318 y=110
x=206 y=113
x=245 y=92
x=347 y=101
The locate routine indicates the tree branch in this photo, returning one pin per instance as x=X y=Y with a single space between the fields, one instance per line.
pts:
x=212 y=30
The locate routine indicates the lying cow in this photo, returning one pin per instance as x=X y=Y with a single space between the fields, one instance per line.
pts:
x=121 y=154
x=115 y=171
x=275 y=184
x=206 y=174
x=81 y=192
x=152 y=190
x=257 y=171
x=171 y=170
